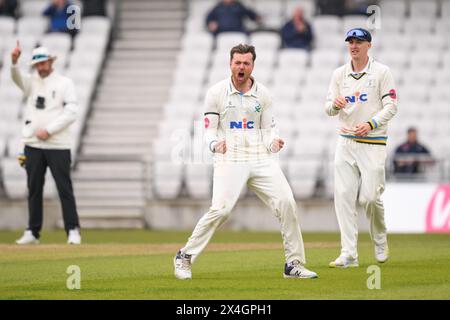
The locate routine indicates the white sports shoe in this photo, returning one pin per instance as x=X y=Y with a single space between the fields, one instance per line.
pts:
x=182 y=264
x=74 y=237
x=296 y=270
x=382 y=253
x=344 y=262
x=28 y=238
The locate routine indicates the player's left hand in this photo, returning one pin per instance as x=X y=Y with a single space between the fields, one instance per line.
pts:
x=42 y=134
x=362 y=129
x=276 y=145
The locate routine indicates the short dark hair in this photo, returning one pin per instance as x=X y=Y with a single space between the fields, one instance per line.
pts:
x=243 y=49
x=412 y=129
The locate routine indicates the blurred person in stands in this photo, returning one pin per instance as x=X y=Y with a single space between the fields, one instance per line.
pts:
x=362 y=93
x=58 y=15
x=8 y=8
x=241 y=132
x=51 y=108
x=94 y=8
x=297 y=33
x=331 y=7
x=228 y=16
x=409 y=155
x=358 y=6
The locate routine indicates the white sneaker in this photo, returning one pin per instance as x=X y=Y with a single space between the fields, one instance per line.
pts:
x=28 y=238
x=382 y=253
x=74 y=237
x=344 y=262
x=182 y=264
x=295 y=270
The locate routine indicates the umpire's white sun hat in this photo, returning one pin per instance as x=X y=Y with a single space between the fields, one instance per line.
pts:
x=41 y=54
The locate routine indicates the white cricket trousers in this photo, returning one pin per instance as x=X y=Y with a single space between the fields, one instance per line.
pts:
x=266 y=179
x=359 y=178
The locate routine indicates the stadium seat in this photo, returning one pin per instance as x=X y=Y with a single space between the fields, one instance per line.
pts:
x=33 y=7
x=188 y=58
x=270 y=12
x=263 y=75
x=14 y=179
x=392 y=25
x=88 y=42
x=167 y=179
x=57 y=41
x=197 y=42
x=422 y=9
x=425 y=58
x=425 y=26
x=324 y=25
x=395 y=42
x=435 y=42
x=393 y=8
x=323 y=59
x=442 y=25
x=283 y=76
x=292 y=59
x=7 y=26
x=422 y=75
x=395 y=59
x=96 y=25
x=32 y=26
x=226 y=40
x=353 y=21
x=198 y=180
x=302 y=176
x=265 y=41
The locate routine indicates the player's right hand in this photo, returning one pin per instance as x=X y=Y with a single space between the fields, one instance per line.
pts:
x=220 y=147
x=15 y=54
x=340 y=102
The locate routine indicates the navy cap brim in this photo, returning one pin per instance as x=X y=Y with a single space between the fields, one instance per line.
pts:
x=355 y=37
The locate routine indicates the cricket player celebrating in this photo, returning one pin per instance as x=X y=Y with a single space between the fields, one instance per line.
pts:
x=240 y=130
x=362 y=92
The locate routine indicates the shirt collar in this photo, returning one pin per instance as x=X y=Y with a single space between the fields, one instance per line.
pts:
x=367 y=69
x=252 y=92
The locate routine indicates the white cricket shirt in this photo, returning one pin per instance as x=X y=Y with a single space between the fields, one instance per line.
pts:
x=371 y=97
x=58 y=114
x=244 y=120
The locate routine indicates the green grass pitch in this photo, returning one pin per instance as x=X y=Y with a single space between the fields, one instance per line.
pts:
x=137 y=264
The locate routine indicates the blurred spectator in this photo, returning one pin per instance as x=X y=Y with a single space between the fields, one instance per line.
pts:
x=297 y=33
x=57 y=12
x=94 y=8
x=229 y=15
x=8 y=8
x=332 y=7
x=358 y=6
x=410 y=155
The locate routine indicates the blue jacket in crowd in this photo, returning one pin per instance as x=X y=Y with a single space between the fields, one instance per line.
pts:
x=230 y=17
x=293 y=39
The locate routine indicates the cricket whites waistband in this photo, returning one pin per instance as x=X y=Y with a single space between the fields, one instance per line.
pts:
x=370 y=140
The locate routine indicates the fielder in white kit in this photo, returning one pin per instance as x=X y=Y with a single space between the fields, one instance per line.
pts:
x=363 y=94
x=240 y=130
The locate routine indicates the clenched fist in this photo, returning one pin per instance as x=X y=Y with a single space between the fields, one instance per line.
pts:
x=276 y=145
x=220 y=147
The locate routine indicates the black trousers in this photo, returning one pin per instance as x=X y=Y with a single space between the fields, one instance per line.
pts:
x=37 y=161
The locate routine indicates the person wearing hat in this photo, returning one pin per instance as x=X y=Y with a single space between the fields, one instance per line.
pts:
x=51 y=108
x=363 y=94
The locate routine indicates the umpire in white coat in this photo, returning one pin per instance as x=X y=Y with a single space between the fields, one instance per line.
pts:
x=50 y=110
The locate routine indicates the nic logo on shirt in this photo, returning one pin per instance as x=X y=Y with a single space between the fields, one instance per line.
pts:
x=242 y=124
x=356 y=97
